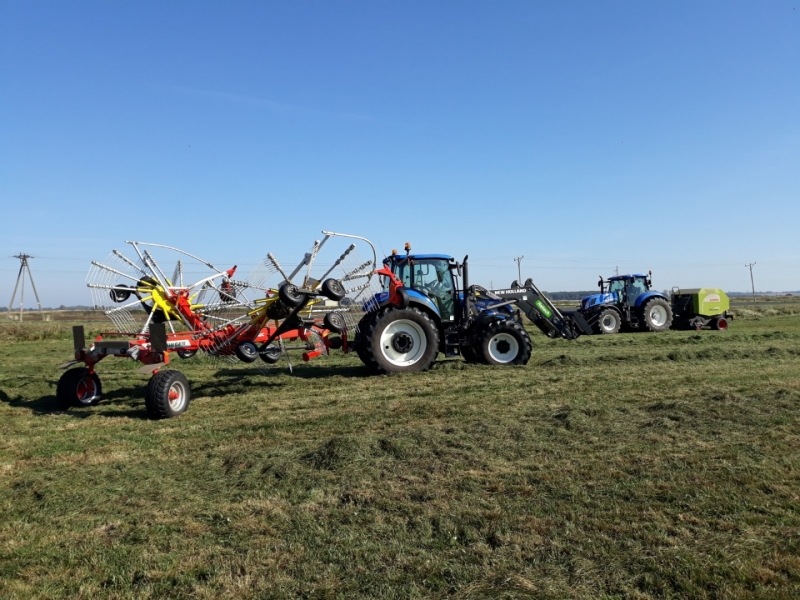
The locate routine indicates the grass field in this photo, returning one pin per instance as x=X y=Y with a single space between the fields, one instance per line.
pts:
x=629 y=466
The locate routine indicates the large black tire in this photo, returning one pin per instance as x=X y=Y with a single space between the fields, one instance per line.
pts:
x=358 y=338
x=290 y=295
x=656 y=315
x=167 y=395
x=504 y=343
x=333 y=289
x=78 y=387
x=470 y=356
x=399 y=341
x=608 y=322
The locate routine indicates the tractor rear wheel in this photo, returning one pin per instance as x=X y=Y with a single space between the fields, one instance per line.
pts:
x=78 y=387
x=608 y=322
x=167 y=395
x=720 y=323
x=656 y=316
x=504 y=343
x=399 y=340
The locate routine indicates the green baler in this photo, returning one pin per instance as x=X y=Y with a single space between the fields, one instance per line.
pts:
x=698 y=307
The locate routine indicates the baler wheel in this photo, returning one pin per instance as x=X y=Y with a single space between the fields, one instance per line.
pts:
x=721 y=324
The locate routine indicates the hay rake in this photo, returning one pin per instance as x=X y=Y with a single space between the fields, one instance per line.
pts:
x=216 y=315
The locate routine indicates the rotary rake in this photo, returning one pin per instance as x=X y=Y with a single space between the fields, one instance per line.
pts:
x=216 y=315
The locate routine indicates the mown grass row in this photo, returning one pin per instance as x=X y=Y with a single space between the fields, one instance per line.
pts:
x=630 y=466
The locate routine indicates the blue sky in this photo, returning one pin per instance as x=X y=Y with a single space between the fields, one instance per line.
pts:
x=582 y=135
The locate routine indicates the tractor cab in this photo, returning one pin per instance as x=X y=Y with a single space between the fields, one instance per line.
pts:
x=432 y=275
x=629 y=287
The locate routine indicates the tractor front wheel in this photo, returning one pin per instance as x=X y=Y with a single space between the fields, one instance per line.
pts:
x=167 y=395
x=469 y=355
x=608 y=322
x=399 y=340
x=657 y=315
x=504 y=343
x=78 y=387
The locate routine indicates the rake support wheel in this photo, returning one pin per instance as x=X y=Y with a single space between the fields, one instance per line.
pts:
x=167 y=395
x=78 y=387
x=333 y=289
x=290 y=295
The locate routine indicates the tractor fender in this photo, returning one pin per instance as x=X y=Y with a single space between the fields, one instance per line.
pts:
x=420 y=300
x=641 y=300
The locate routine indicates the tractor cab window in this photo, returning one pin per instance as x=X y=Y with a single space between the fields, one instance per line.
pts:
x=432 y=277
x=618 y=285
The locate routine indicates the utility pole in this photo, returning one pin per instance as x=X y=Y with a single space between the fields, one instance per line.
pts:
x=752 y=285
x=616 y=270
x=518 y=260
x=23 y=268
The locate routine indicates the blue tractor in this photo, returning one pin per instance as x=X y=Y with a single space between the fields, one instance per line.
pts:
x=627 y=301
x=423 y=311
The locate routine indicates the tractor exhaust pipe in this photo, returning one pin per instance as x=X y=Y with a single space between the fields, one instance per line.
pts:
x=467 y=307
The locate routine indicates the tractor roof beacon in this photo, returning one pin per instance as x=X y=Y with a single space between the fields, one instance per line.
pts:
x=423 y=311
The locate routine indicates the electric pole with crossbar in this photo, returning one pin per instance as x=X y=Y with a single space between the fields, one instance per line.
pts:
x=23 y=268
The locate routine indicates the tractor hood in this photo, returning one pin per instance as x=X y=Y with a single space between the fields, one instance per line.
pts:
x=598 y=299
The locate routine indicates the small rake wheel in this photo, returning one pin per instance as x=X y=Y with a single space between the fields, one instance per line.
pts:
x=247 y=352
x=271 y=354
x=334 y=321
x=167 y=395
x=78 y=387
x=290 y=295
x=333 y=289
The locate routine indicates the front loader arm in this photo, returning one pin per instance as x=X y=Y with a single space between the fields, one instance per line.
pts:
x=544 y=314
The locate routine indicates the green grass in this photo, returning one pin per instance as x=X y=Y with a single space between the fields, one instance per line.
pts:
x=629 y=466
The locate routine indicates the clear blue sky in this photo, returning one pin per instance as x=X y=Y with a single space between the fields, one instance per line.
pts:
x=582 y=135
